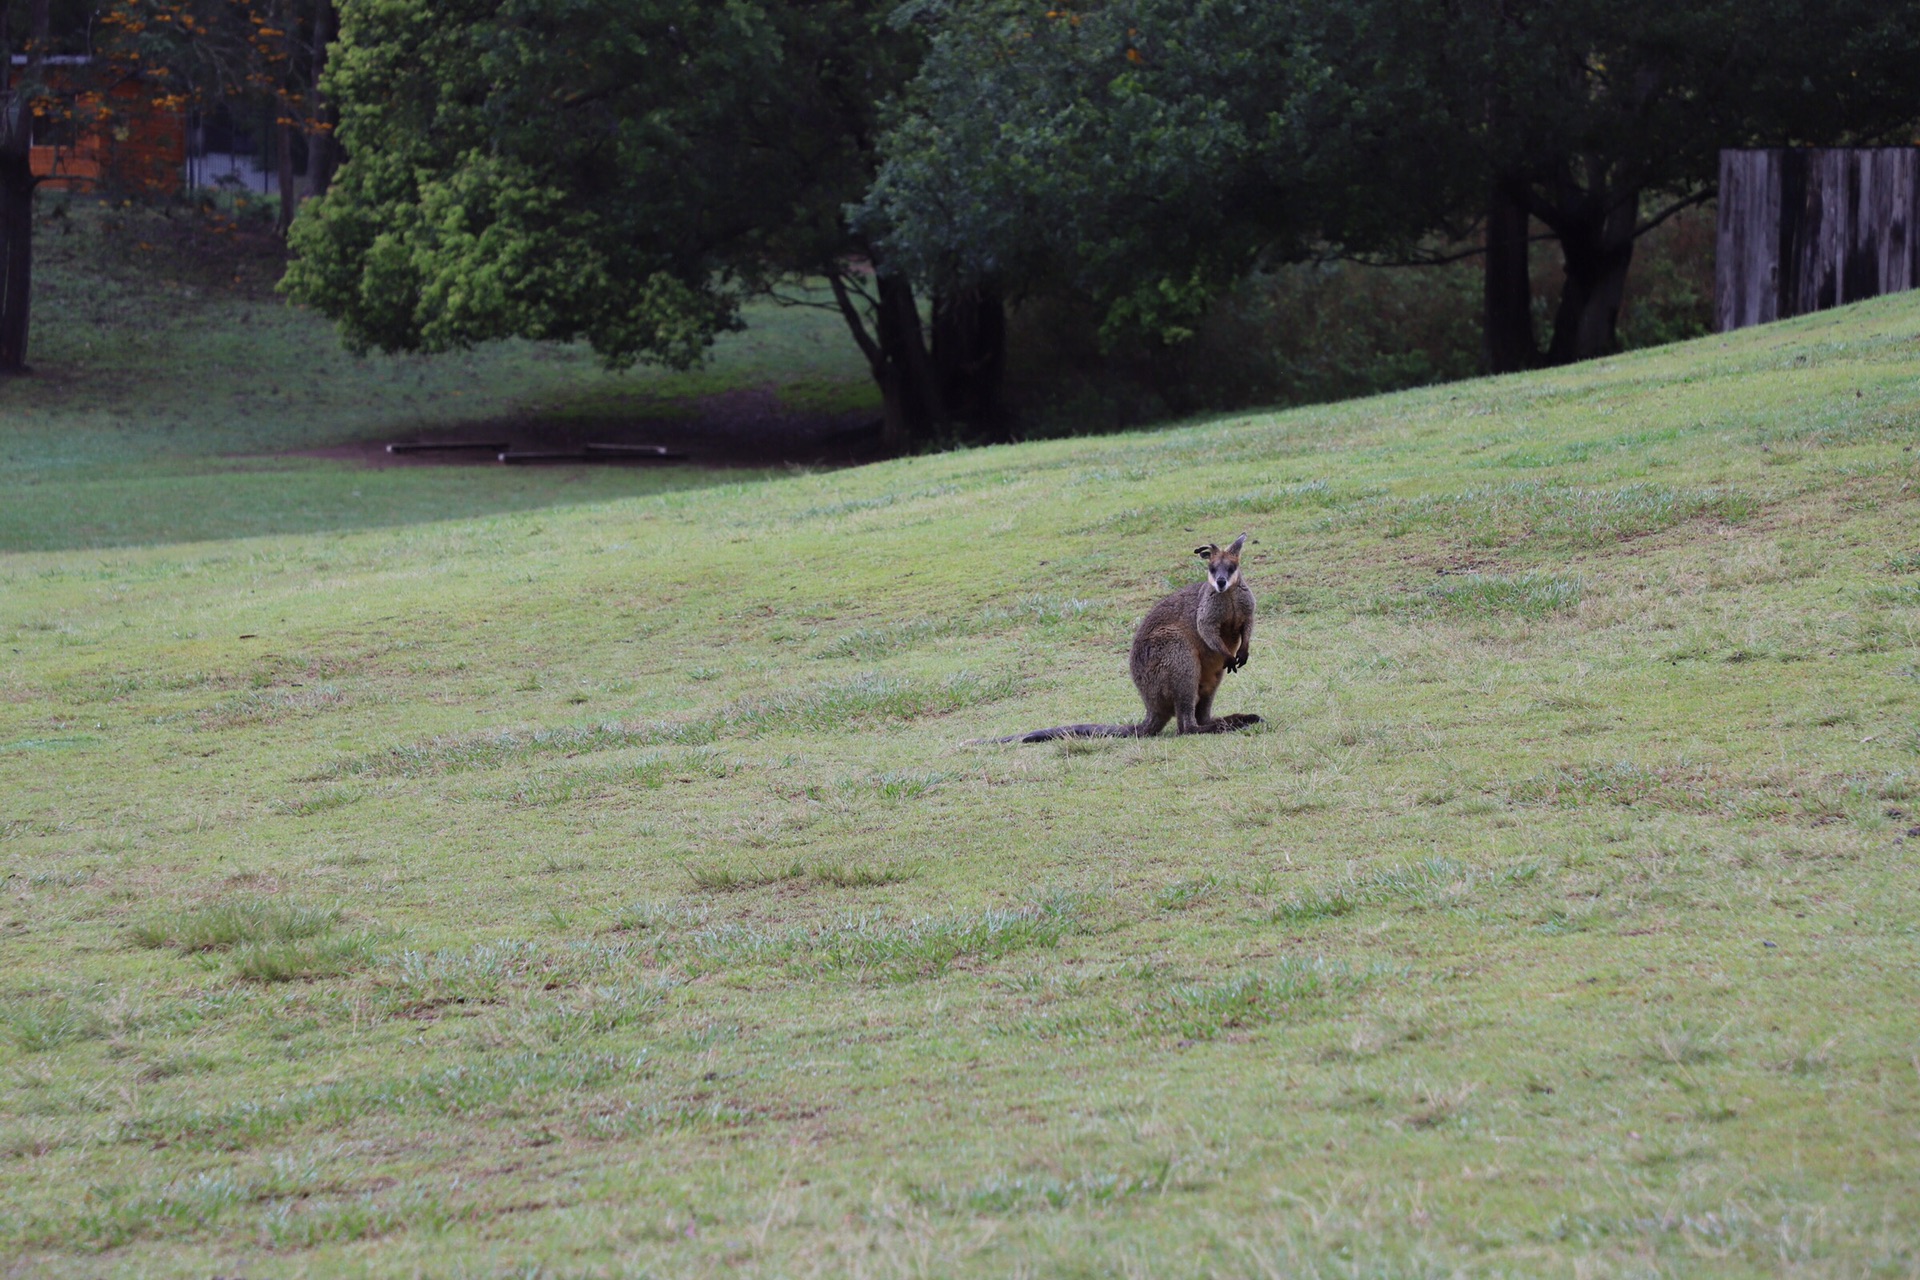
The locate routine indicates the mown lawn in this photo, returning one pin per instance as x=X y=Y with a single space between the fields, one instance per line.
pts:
x=607 y=888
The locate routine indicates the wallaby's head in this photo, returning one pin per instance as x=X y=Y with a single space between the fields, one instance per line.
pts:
x=1223 y=563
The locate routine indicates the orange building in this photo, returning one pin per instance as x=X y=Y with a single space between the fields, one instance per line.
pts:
x=106 y=130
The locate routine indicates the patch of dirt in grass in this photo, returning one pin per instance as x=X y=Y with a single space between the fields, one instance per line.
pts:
x=749 y=427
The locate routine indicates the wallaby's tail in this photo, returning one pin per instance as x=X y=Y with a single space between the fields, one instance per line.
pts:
x=1069 y=731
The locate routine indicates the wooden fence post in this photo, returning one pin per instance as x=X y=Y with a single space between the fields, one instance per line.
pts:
x=1804 y=229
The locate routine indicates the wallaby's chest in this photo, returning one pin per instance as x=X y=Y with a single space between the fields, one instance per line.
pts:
x=1230 y=612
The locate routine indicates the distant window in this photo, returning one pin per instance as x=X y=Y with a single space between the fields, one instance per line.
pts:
x=55 y=129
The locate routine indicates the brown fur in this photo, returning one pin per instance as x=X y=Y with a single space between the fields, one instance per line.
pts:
x=1182 y=649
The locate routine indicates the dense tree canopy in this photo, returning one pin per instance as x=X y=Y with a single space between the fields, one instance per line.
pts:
x=552 y=170
x=625 y=171
x=260 y=56
x=1149 y=153
x=1598 y=117
x=1042 y=148
x=618 y=172
x=1145 y=151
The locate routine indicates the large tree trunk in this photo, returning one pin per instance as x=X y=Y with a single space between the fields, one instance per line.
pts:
x=896 y=354
x=289 y=193
x=911 y=391
x=1596 y=238
x=970 y=354
x=322 y=154
x=17 y=182
x=1507 y=326
x=16 y=257
x=955 y=383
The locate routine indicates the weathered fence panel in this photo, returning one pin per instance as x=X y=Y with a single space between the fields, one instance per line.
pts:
x=1804 y=229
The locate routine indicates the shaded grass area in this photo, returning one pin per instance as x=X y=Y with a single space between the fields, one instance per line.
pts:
x=139 y=502
x=166 y=397
x=1310 y=332
x=608 y=889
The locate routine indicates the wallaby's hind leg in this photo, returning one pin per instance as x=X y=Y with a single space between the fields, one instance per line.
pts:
x=1190 y=718
x=1192 y=707
x=1161 y=707
x=1167 y=678
x=1203 y=714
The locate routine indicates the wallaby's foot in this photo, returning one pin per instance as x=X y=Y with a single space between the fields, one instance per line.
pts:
x=1222 y=724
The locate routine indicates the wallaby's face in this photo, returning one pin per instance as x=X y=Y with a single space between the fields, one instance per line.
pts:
x=1223 y=563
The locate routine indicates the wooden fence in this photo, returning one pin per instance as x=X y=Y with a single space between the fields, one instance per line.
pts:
x=1806 y=229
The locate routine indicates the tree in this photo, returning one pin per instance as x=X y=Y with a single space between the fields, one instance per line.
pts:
x=1068 y=149
x=22 y=91
x=1146 y=155
x=625 y=173
x=1145 y=151
x=1601 y=118
x=268 y=55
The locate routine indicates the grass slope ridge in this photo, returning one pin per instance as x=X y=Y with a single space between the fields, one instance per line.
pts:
x=604 y=889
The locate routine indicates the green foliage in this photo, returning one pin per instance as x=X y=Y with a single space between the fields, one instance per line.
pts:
x=617 y=173
x=1093 y=149
x=1332 y=330
x=1316 y=331
x=1146 y=156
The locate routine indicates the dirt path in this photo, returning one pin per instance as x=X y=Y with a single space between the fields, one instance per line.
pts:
x=750 y=428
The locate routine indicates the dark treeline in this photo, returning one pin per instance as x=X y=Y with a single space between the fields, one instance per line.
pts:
x=626 y=172
x=1148 y=155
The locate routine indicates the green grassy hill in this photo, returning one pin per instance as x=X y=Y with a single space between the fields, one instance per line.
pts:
x=606 y=889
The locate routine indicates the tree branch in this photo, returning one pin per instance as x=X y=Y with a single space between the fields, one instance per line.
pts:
x=855 y=322
x=1697 y=198
x=782 y=300
x=1428 y=259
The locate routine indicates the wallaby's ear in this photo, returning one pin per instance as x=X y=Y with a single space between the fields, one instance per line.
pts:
x=1206 y=551
x=1238 y=542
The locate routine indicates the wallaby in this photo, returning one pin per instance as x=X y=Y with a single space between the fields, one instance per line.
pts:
x=1184 y=645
